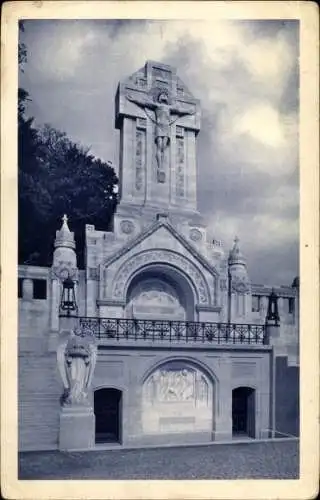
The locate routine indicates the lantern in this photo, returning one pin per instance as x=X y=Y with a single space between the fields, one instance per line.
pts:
x=68 y=305
x=273 y=313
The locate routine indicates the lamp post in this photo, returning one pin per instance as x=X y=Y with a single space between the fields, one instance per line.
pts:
x=68 y=304
x=68 y=309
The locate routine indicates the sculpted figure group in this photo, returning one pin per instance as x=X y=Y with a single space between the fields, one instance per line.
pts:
x=163 y=109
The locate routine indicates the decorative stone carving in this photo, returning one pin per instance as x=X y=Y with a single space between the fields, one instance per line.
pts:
x=127 y=226
x=195 y=235
x=166 y=256
x=179 y=131
x=141 y=123
x=93 y=273
x=180 y=167
x=223 y=285
x=64 y=269
x=159 y=101
x=140 y=158
x=157 y=298
x=240 y=284
x=177 y=385
x=76 y=357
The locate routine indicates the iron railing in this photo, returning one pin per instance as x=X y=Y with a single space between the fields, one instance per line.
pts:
x=171 y=331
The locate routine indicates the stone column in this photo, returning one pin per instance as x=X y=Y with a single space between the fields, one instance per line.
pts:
x=223 y=419
x=27 y=289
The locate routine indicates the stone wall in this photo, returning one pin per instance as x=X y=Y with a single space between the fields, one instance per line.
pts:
x=287 y=398
x=224 y=369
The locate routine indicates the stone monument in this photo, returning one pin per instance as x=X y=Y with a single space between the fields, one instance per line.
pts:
x=159 y=120
x=76 y=357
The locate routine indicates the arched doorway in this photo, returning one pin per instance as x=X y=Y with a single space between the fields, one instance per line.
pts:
x=159 y=292
x=243 y=412
x=107 y=410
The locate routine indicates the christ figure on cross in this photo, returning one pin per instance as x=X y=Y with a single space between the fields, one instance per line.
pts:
x=162 y=110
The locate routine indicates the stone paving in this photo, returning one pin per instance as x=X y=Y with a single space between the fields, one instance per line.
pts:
x=273 y=460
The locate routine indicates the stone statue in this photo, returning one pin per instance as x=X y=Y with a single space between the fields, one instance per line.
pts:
x=76 y=358
x=162 y=110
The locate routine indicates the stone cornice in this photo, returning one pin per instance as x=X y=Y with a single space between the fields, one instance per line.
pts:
x=106 y=302
x=281 y=291
x=208 y=308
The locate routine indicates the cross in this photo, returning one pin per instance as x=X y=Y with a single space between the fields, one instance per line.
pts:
x=65 y=219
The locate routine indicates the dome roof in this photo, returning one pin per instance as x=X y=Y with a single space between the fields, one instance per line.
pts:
x=64 y=237
x=235 y=255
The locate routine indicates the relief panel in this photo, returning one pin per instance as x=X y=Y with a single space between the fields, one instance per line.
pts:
x=177 y=398
x=180 y=166
x=140 y=161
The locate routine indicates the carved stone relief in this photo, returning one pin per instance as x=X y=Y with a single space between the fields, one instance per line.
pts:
x=93 y=273
x=177 y=385
x=127 y=226
x=156 y=298
x=76 y=357
x=140 y=158
x=195 y=235
x=240 y=284
x=64 y=269
x=180 y=167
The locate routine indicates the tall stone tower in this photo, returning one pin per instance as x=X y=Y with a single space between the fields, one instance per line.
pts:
x=160 y=244
x=159 y=120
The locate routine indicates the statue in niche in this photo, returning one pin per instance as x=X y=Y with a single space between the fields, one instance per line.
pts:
x=162 y=107
x=76 y=358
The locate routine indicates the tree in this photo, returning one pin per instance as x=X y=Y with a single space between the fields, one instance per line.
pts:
x=57 y=176
x=62 y=177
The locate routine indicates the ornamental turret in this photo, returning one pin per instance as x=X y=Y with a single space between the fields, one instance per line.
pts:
x=64 y=266
x=239 y=286
x=64 y=247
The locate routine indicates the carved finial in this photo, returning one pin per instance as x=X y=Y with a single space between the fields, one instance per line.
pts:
x=65 y=226
x=64 y=237
x=235 y=256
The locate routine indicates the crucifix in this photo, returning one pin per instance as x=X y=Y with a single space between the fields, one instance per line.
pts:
x=162 y=109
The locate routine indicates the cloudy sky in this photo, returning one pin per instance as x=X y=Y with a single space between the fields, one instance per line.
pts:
x=246 y=75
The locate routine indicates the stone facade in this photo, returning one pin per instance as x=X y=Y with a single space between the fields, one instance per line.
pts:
x=159 y=272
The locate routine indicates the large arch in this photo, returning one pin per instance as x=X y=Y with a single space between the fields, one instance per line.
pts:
x=159 y=291
x=171 y=261
x=178 y=397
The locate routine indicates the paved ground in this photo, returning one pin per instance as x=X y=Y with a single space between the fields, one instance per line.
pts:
x=274 y=460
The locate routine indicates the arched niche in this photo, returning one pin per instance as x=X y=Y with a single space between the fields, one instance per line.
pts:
x=160 y=292
x=178 y=397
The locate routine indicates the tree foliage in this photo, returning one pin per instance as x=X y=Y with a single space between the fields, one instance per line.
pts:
x=57 y=176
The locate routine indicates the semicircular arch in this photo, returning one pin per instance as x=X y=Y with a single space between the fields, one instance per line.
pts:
x=168 y=259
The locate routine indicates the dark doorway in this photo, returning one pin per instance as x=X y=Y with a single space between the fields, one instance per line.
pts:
x=107 y=409
x=243 y=411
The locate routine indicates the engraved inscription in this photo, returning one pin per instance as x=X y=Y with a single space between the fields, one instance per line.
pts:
x=140 y=158
x=180 y=161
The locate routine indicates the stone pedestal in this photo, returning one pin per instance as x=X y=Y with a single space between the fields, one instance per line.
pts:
x=77 y=428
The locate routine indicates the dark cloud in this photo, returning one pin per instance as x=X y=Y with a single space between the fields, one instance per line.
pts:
x=243 y=183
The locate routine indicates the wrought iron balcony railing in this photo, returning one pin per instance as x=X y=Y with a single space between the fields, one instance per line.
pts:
x=171 y=331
